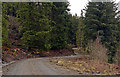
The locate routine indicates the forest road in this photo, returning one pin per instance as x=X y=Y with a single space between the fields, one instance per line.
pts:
x=37 y=66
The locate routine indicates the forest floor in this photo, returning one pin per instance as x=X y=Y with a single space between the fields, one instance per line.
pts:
x=12 y=54
x=86 y=66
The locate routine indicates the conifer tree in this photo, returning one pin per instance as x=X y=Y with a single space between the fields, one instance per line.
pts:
x=100 y=21
x=35 y=25
x=59 y=31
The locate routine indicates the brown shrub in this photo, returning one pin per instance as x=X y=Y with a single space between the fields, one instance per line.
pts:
x=117 y=56
x=97 y=50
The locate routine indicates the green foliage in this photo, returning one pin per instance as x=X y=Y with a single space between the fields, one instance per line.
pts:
x=36 y=40
x=4 y=31
x=72 y=28
x=79 y=33
x=10 y=8
x=43 y=26
x=100 y=21
x=60 y=25
x=4 y=27
x=13 y=50
x=35 y=28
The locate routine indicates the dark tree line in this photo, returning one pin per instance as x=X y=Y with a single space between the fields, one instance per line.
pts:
x=43 y=26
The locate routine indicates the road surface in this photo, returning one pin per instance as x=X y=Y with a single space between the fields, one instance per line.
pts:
x=37 y=66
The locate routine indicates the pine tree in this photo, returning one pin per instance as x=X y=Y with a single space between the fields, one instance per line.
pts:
x=73 y=27
x=100 y=22
x=35 y=29
x=59 y=30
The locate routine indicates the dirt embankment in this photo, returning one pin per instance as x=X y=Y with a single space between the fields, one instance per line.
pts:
x=13 y=53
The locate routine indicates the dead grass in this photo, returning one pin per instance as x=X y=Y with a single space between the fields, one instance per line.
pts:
x=84 y=65
x=98 y=51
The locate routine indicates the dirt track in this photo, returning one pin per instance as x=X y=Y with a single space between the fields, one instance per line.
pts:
x=37 y=66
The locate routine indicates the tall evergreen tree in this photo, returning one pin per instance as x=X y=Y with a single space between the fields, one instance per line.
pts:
x=35 y=25
x=100 y=22
x=73 y=27
x=59 y=31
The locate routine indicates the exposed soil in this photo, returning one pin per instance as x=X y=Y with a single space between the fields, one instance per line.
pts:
x=54 y=53
x=13 y=53
x=10 y=54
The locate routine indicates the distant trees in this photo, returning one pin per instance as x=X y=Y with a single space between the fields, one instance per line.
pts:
x=43 y=26
x=73 y=27
x=79 y=33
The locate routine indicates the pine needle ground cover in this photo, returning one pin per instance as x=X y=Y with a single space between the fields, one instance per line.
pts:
x=13 y=53
x=86 y=66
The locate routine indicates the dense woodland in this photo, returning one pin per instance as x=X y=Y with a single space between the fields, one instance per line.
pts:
x=50 y=26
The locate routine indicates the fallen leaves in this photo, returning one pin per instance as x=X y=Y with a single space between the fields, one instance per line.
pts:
x=60 y=63
x=83 y=66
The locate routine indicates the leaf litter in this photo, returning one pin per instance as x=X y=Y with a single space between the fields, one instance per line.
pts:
x=85 y=65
